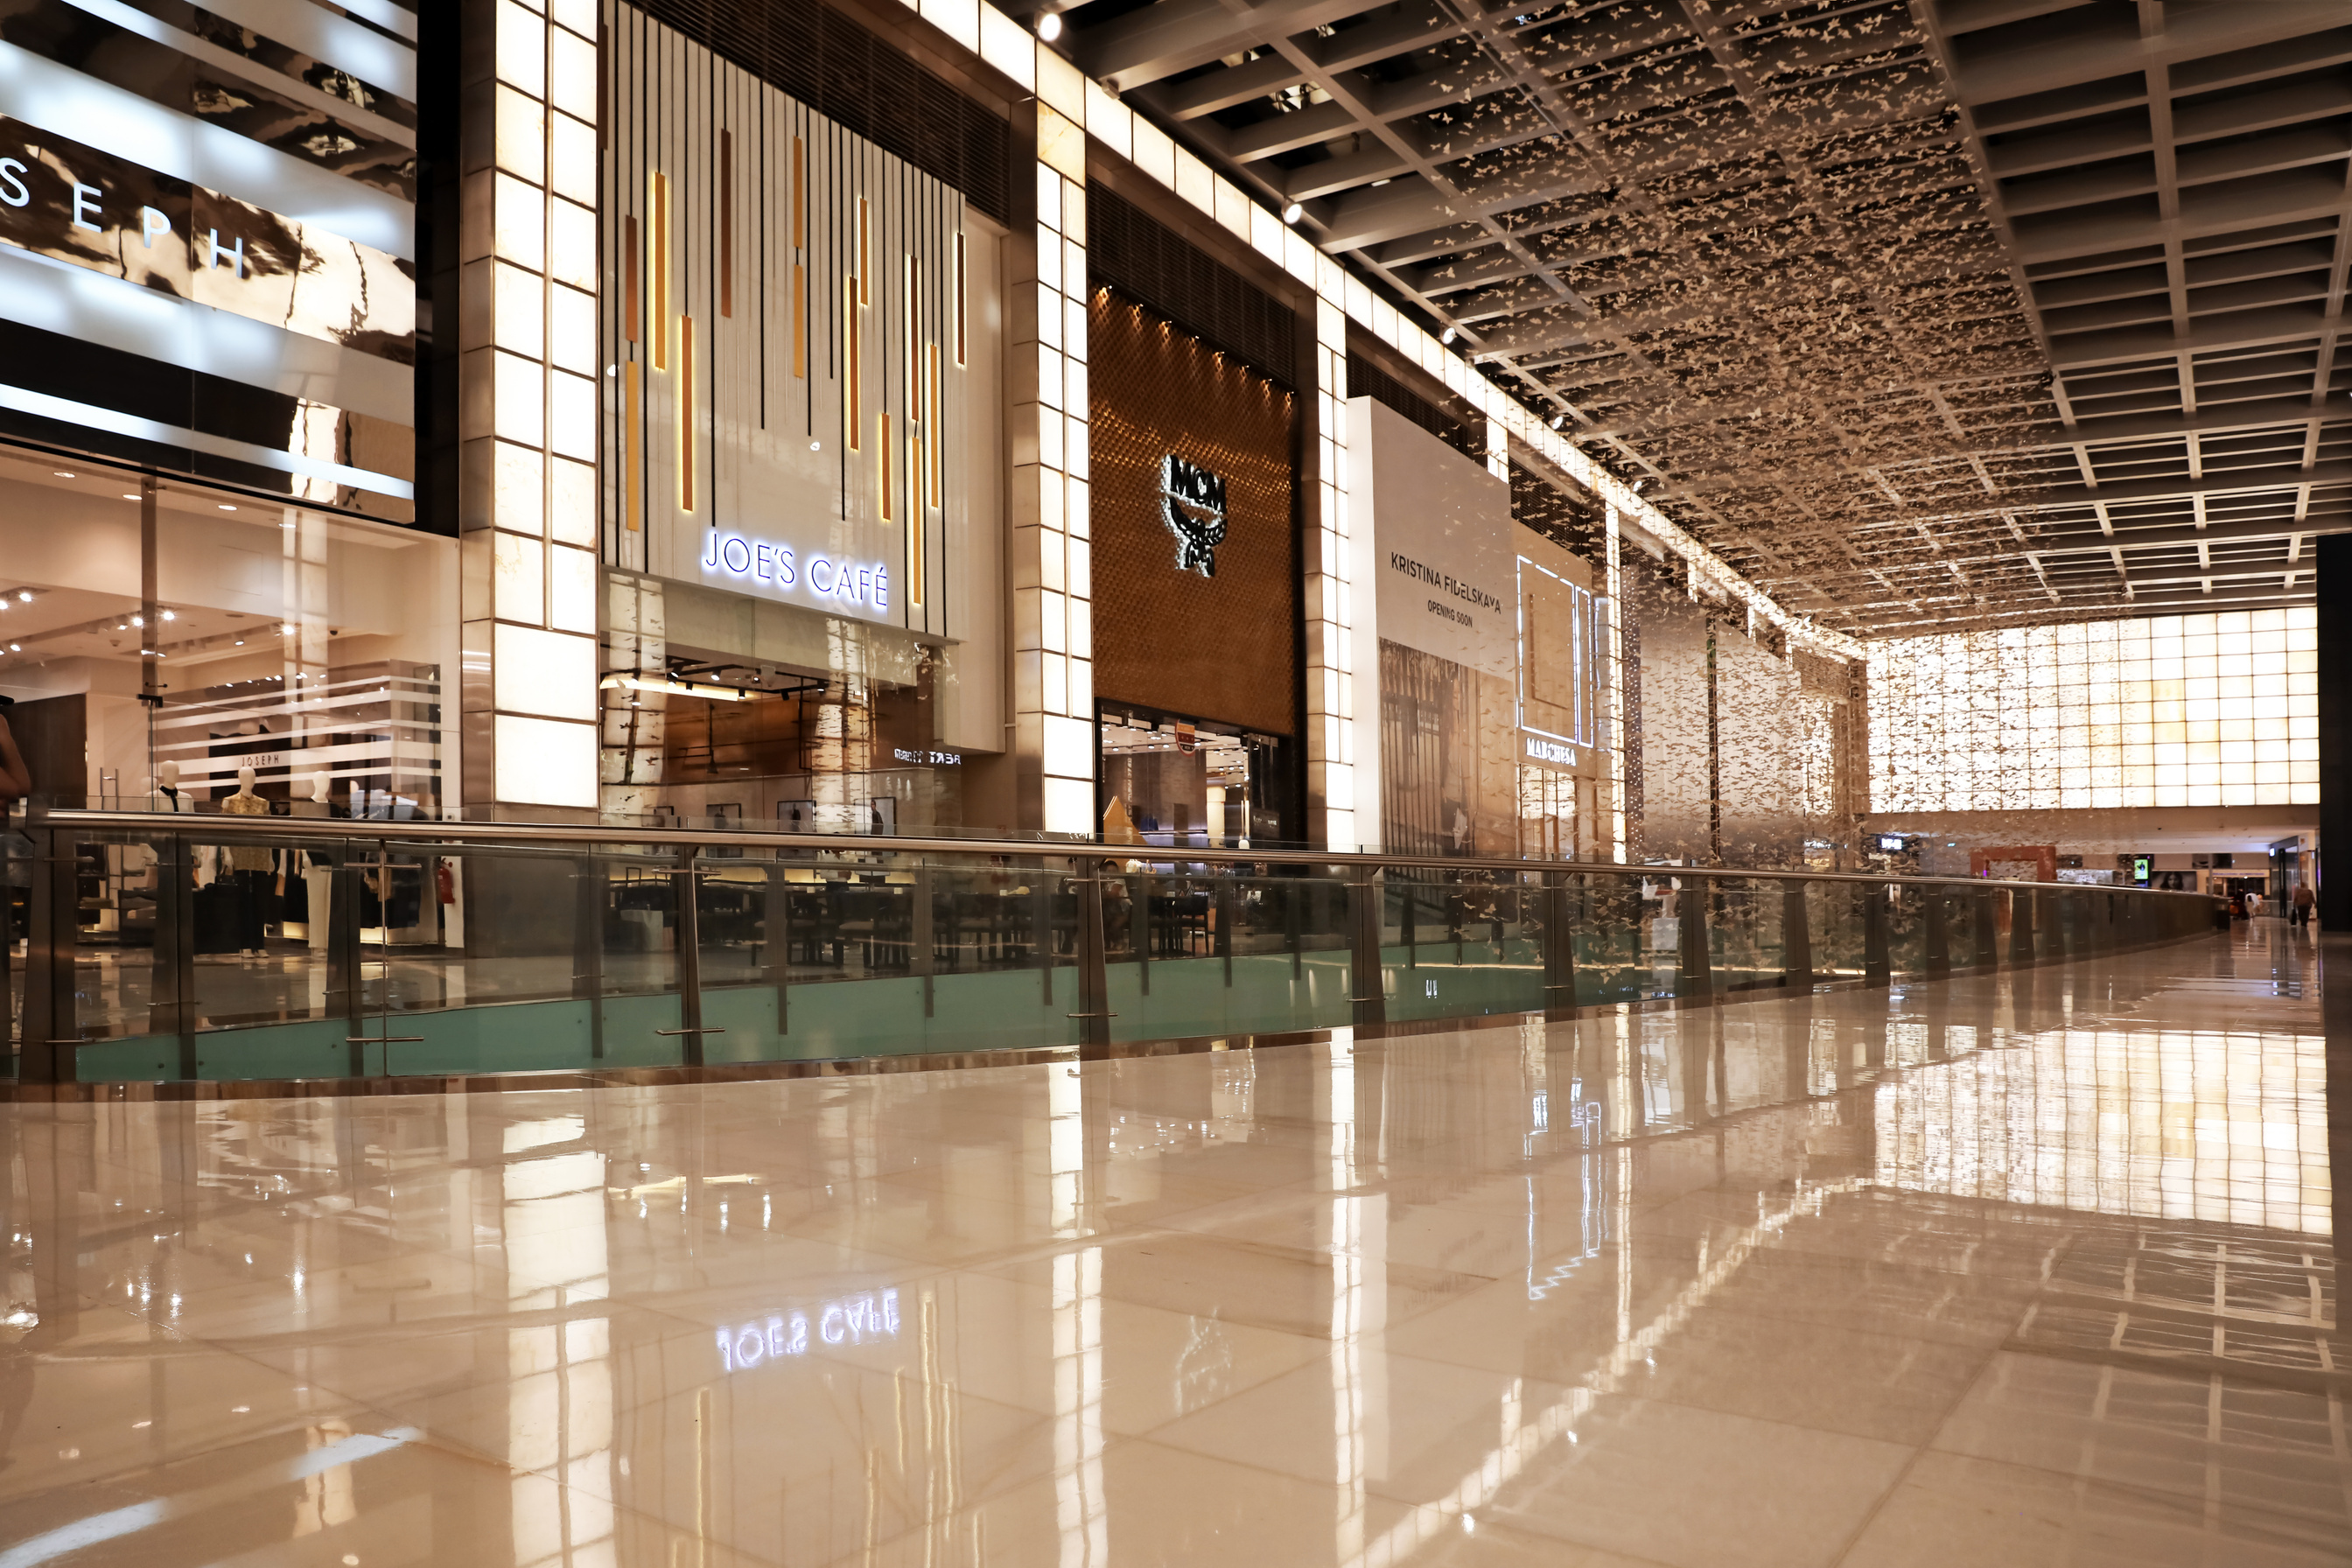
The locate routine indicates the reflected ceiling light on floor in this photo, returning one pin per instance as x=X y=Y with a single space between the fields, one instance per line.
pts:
x=1049 y=27
x=1292 y=213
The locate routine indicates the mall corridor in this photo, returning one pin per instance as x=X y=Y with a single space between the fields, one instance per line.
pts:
x=2034 y=1269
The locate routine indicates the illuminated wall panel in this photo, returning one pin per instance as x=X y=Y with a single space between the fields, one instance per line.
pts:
x=2218 y=709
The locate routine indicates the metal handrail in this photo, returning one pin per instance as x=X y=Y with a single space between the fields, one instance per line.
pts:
x=215 y=829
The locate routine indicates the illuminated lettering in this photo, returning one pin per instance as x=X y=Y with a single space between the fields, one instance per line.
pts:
x=150 y=224
x=235 y=253
x=85 y=207
x=735 y=555
x=12 y=184
x=763 y=562
x=854 y=1320
x=817 y=563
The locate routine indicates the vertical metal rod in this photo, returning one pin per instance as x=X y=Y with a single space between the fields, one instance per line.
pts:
x=1367 y=984
x=1877 y=968
x=1796 y=940
x=690 y=957
x=1559 y=946
x=1412 y=938
x=1094 y=976
x=1939 y=937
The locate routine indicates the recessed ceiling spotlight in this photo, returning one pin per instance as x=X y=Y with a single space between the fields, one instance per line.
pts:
x=1049 y=26
x=240 y=642
x=60 y=473
x=226 y=507
x=130 y=495
x=171 y=615
x=1559 y=421
x=15 y=648
x=1379 y=182
x=1292 y=213
x=26 y=595
x=1448 y=335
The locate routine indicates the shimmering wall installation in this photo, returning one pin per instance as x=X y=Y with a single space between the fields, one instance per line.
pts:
x=2202 y=711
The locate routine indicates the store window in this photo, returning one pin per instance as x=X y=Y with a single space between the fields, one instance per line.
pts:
x=159 y=637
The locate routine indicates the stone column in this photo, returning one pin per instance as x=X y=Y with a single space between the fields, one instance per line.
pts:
x=528 y=408
x=1047 y=527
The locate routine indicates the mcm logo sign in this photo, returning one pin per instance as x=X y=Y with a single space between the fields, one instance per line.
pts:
x=1193 y=505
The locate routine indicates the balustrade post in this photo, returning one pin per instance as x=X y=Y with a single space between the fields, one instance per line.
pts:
x=1690 y=909
x=1938 y=936
x=778 y=922
x=588 y=948
x=1559 y=946
x=171 y=962
x=1094 y=973
x=1878 y=969
x=1366 y=980
x=52 y=1017
x=690 y=1032
x=922 y=956
x=1987 y=955
x=1796 y=939
x=2021 y=925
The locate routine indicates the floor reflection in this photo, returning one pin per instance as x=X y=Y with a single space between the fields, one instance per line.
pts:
x=2033 y=1268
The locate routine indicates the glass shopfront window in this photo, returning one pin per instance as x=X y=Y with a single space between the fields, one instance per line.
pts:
x=156 y=642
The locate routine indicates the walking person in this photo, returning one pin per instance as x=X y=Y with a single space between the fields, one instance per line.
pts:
x=2301 y=905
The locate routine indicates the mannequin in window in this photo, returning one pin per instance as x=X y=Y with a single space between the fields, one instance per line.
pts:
x=253 y=867
x=307 y=874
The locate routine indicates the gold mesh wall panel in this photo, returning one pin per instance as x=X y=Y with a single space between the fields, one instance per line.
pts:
x=1220 y=648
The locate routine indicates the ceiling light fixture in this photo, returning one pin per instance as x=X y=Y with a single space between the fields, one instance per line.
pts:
x=1049 y=26
x=130 y=495
x=1448 y=335
x=61 y=473
x=26 y=595
x=1559 y=421
x=1292 y=213
x=226 y=507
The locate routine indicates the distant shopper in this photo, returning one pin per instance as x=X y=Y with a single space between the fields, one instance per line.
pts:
x=2300 y=911
x=2254 y=903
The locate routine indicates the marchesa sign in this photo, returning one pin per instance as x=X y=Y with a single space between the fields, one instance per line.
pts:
x=1193 y=505
x=850 y=585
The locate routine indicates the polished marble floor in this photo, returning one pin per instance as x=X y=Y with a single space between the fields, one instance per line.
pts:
x=2021 y=1270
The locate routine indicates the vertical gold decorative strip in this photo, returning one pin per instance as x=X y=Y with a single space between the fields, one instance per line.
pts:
x=686 y=434
x=882 y=465
x=659 y=238
x=726 y=223
x=800 y=323
x=910 y=312
x=853 y=383
x=631 y=302
x=631 y=468
x=931 y=442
